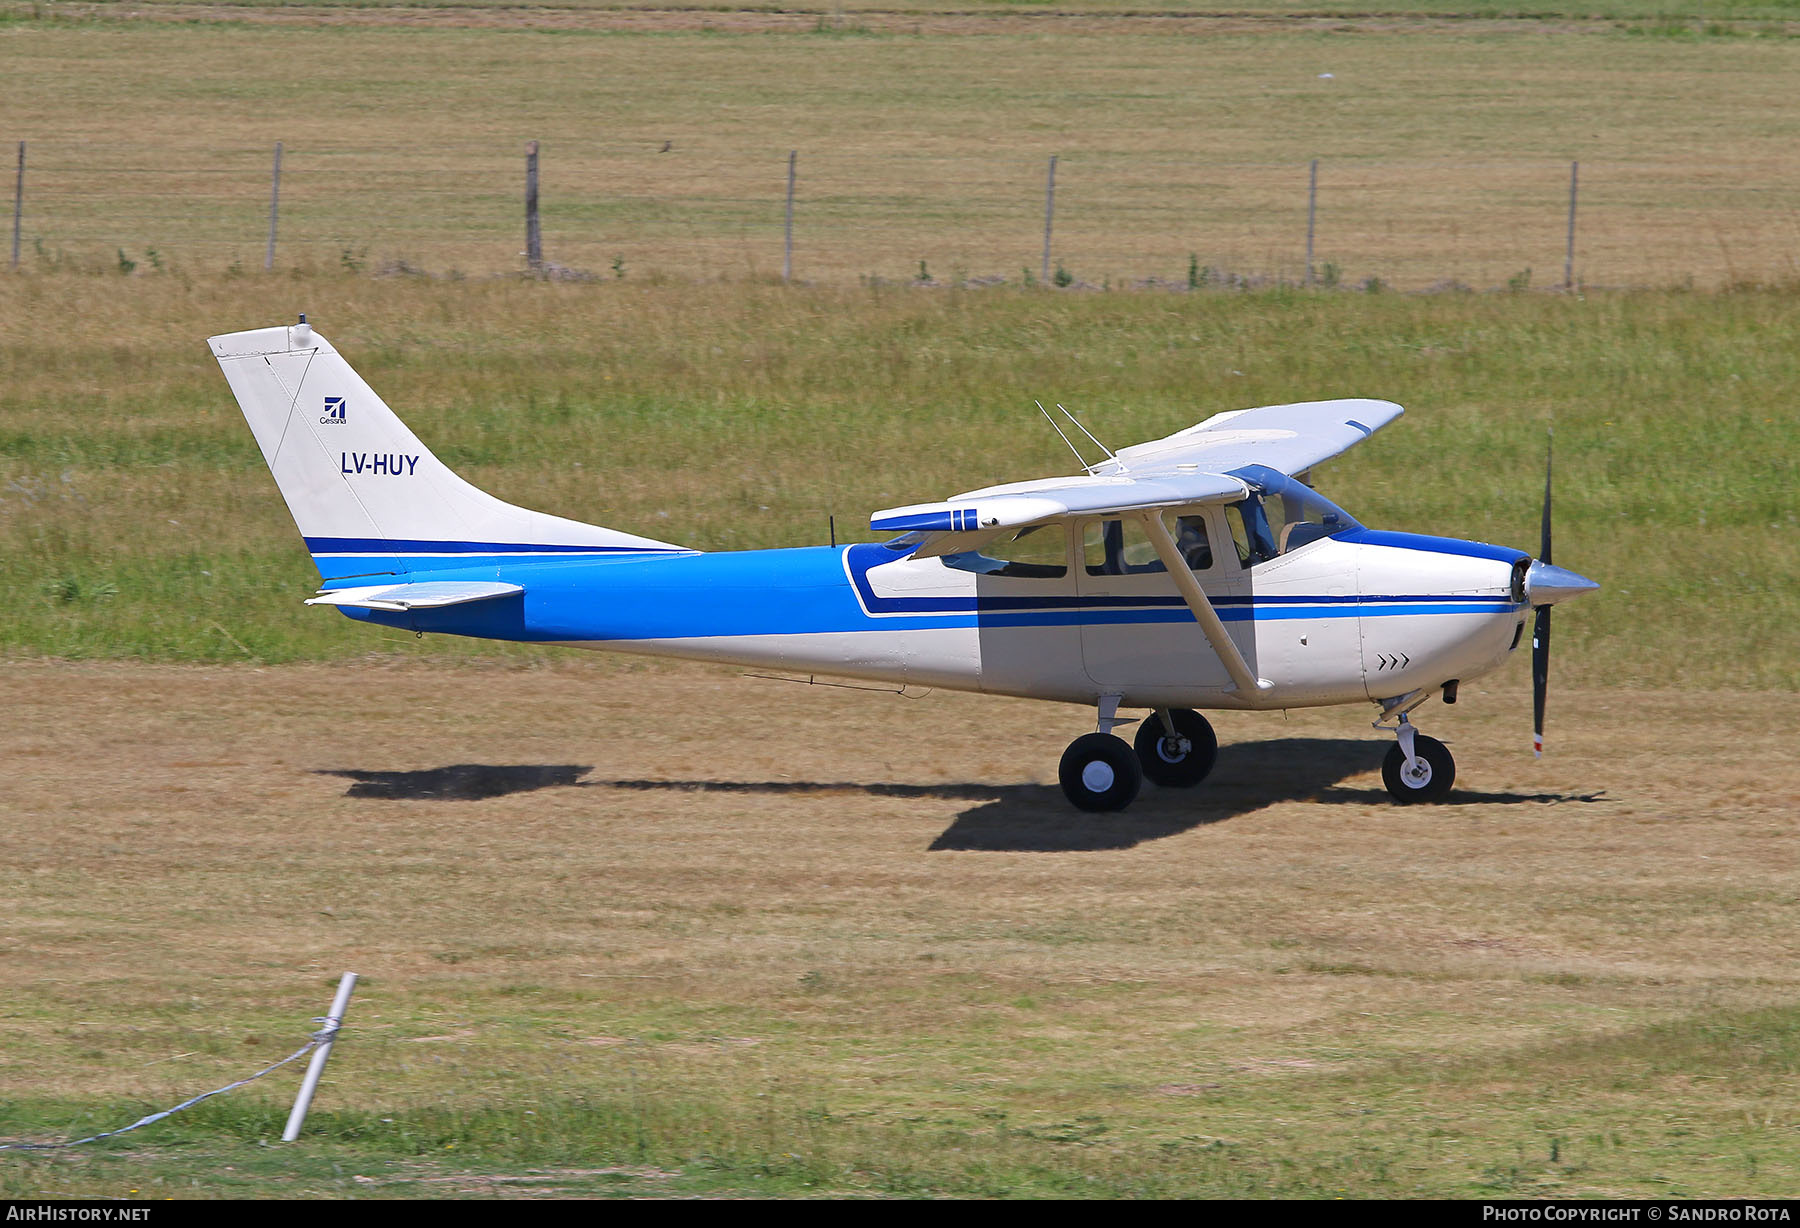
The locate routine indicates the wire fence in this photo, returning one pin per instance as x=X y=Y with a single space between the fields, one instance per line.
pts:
x=1086 y=217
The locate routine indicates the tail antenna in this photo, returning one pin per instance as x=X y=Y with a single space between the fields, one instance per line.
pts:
x=1079 y=459
x=1072 y=418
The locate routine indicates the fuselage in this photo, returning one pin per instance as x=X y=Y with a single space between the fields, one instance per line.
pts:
x=1345 y=618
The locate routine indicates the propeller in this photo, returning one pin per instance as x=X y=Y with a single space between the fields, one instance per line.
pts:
x=1540 y=631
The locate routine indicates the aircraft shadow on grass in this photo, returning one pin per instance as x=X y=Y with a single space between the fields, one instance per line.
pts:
x=1009 y=818
x=466 y=782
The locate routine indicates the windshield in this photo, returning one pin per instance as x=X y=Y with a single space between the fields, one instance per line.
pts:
x=1280 y=516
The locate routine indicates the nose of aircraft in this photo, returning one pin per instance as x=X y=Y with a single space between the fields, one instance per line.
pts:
x=1546 y=584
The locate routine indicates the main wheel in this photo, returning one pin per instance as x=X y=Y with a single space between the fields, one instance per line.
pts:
x=1430 y=781
x=1181 y=761
x=1100 y=772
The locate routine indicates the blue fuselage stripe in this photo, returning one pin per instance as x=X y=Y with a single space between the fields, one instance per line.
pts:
x=1430 y=545
x=665 y=596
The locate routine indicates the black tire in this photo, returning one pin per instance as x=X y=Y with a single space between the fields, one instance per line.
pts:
x=1100 y=772
x=1439 y=774
x=1180 y=762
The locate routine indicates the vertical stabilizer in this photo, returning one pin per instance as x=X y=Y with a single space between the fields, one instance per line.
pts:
x=367 y=496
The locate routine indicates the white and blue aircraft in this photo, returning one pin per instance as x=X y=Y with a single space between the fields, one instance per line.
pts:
x=1199 y=571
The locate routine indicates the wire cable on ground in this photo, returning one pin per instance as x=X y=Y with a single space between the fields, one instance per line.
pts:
x=323 y=1035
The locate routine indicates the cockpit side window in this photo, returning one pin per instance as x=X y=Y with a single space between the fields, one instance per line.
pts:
x=1038 y=552
x=1250 y=531
x=1280 y=516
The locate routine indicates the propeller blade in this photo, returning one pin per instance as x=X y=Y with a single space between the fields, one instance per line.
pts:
x=1544 y=533
x=1540 y=677
x=1540 y=631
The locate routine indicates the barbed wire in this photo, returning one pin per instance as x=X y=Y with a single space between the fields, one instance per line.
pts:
x=1115 y=208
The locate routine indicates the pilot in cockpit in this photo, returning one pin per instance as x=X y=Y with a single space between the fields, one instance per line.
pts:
x=1191 y=543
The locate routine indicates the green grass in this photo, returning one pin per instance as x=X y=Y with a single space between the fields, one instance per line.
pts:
x=1559 y=1119
x=137 y=519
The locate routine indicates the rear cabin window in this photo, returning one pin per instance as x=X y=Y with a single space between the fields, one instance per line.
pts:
x=1040 y=552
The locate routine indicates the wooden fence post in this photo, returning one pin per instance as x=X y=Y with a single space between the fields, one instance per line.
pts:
x=18 y=204
x=1312 y=213
x=1569 y=255
x=534 y=237
x=274 y=208
x=787 y=251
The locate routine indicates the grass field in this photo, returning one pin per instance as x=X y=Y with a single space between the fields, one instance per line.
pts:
x=1444 y=148
x=616 y=938
x=138 y=519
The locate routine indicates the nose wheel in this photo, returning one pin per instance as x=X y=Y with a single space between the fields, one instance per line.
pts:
x=1418 y=769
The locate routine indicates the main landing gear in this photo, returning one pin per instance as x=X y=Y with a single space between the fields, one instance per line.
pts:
x=1175 y=748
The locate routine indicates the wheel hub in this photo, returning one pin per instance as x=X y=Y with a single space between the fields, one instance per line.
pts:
x=1174 y=750
x=1098 y=776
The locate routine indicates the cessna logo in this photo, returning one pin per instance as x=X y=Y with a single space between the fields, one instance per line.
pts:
x=334 y=412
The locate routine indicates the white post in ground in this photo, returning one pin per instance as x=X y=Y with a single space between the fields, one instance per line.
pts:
x=316 y=1067
x=1049 y=216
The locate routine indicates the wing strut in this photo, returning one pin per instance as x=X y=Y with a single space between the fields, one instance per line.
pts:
x=1248 y=684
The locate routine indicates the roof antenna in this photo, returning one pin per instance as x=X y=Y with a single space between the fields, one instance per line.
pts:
x=1052 y=421
x=1109 y=452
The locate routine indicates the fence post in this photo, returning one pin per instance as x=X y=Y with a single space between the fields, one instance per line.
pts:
x=274 y=208
x=1049 y=216
x=1569 y=256
x=534 y=237
x=316 y=1067
x=1312 y=213
x=18 y=204
x=787 y=251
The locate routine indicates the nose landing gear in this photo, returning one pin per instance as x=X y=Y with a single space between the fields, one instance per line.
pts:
x=1418 y=769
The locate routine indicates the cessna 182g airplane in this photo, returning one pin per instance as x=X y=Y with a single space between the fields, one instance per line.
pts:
x=1196 y=571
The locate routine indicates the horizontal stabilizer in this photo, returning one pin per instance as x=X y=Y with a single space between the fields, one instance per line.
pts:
x=426 y=595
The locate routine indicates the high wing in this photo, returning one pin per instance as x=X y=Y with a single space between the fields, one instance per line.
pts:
x=1193 y=466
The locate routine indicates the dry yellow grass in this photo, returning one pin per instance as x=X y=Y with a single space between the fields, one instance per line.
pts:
x=675 y=884
x=1445 y=147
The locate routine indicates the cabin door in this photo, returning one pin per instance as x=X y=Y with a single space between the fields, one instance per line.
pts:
x=1137 y=632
